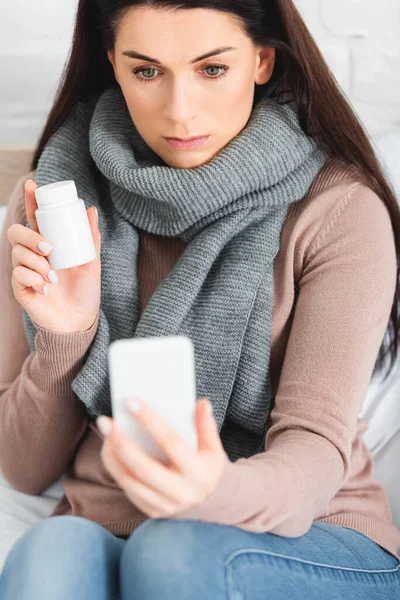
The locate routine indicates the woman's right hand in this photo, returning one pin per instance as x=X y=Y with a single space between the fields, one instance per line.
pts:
x=73 y=303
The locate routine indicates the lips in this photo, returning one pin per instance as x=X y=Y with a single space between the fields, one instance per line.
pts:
x=187 y=144
x=189 y=139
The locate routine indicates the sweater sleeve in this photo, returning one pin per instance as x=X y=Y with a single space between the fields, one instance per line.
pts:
x=346 y=293
x=41 y=419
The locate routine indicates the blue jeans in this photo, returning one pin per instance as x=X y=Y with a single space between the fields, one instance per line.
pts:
x=64 y=557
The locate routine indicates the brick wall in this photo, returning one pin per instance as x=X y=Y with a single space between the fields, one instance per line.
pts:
x=360 y=40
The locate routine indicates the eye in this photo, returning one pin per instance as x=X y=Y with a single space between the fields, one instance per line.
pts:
x=224 y=68
x=143 y=70
x=142 y=79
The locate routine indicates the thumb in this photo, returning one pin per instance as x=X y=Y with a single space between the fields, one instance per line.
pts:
x=207 y=429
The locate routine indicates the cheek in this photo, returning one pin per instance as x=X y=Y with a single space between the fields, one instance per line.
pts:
x=237 y=105
x=139 y=97
x=233 y=97
x=144 y=113
x=140 y=105
x=236 y=114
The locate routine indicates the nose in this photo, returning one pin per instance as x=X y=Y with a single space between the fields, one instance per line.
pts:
x=182 y=106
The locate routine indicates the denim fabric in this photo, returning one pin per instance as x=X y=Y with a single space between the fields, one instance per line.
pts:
x=66 y=557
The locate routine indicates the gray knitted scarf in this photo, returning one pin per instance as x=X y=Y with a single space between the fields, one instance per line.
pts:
x=230 y=211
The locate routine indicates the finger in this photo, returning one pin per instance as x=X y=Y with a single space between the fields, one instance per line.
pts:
x=208 y=434
x=23 y=277
x=94 y=227
x=175 y=447
x=22 y=256
x=144 y=468
x=146 y=499
x=30 y=204
x=19 y=234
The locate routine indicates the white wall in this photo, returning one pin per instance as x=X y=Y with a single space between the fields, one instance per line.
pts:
x=360 y=40
x=35 y=36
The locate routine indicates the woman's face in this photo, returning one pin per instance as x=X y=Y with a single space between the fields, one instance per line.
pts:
x=178 y=96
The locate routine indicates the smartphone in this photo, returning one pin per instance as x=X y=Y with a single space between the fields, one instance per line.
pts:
x=161 y=372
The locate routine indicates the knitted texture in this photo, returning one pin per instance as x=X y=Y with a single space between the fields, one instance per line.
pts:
x=230 y=211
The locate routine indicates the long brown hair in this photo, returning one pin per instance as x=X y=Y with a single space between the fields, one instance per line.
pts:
x=300 y=69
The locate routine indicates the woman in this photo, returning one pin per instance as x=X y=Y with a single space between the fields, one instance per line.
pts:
x=274 y=245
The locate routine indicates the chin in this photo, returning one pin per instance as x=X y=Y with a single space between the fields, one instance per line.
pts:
x=185 y=160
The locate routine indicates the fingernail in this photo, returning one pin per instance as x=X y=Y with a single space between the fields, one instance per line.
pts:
x=97 y=215
x=209 y=407
x=26 y=183
x=52 y=275
x=45 y=247
x=45 y=291
x=133 y=405
x=104 y=424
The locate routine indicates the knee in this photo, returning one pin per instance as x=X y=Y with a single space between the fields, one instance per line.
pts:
x=164 y=554
x=57 y=557
x=164 y=544
x=63 y=527
x=51 y=536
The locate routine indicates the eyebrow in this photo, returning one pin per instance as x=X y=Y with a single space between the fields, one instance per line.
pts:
x=133 y=54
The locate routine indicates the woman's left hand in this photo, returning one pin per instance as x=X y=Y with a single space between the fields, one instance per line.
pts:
x=158 y=490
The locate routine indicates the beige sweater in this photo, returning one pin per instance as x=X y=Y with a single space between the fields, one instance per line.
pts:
x=334 y=285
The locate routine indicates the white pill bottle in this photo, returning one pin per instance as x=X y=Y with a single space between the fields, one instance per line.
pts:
x=62 y=219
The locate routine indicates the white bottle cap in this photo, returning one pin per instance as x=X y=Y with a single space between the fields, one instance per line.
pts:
x=56 y=193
